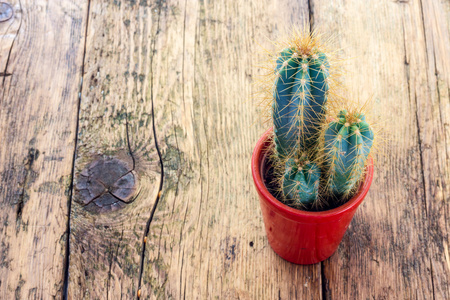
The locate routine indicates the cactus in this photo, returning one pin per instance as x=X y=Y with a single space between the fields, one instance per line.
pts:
x=301 y=94
x=300 y=182
x=347 y=143
x=300 y=97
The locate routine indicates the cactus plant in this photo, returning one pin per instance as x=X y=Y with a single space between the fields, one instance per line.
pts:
x=315 y=157
x=314 y=161
x=347 y=143
x=300 y=95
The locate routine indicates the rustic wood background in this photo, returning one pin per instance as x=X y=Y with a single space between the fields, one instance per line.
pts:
x=83 y=79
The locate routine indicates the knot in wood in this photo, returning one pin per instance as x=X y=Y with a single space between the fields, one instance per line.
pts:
x=6 y=12
x=106 y=185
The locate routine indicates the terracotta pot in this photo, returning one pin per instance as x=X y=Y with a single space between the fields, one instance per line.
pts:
x=302 y=237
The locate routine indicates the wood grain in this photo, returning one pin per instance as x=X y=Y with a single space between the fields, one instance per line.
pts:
x=115 y=123
x=207 y=238
x=390 y=251
x=41 y=48
x=433 y=117
x=78 y=82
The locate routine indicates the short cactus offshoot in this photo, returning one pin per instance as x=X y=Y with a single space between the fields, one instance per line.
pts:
x=300 y=182
x=347 y=143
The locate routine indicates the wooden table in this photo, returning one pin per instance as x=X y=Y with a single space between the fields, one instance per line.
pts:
x=122 y=90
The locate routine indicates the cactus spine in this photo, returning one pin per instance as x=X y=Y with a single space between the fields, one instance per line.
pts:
x=300 y=182
x=300 y=97
x=347 y=144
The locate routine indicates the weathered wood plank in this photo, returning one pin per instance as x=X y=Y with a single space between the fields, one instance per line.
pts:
x=433 y=116
x=41 y=52
x=195 y=61
x=115 y=129
x=207 y=238
x=388 y=250
x=9 y=27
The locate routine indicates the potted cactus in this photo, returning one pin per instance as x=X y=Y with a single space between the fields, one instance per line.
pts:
x=313 y=168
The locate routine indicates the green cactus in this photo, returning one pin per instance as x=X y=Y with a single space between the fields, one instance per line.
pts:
x=302 y=89
x=300 y=95
x=300 y=182
x=347 y=144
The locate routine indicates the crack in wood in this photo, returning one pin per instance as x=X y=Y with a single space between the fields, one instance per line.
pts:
x=326 y=293
x=158 y=150
x=158 y=197
x=70 y=196
x=33 y=154
x=128 y=140
x=311 y=15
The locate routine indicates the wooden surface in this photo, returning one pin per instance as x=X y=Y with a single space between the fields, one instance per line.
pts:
x=163 y=90
x=41 y=46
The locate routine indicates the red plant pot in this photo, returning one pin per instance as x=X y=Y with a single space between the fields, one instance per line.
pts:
x=302 y=237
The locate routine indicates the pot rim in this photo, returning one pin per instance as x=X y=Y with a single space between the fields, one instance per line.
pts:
x=296 y=214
